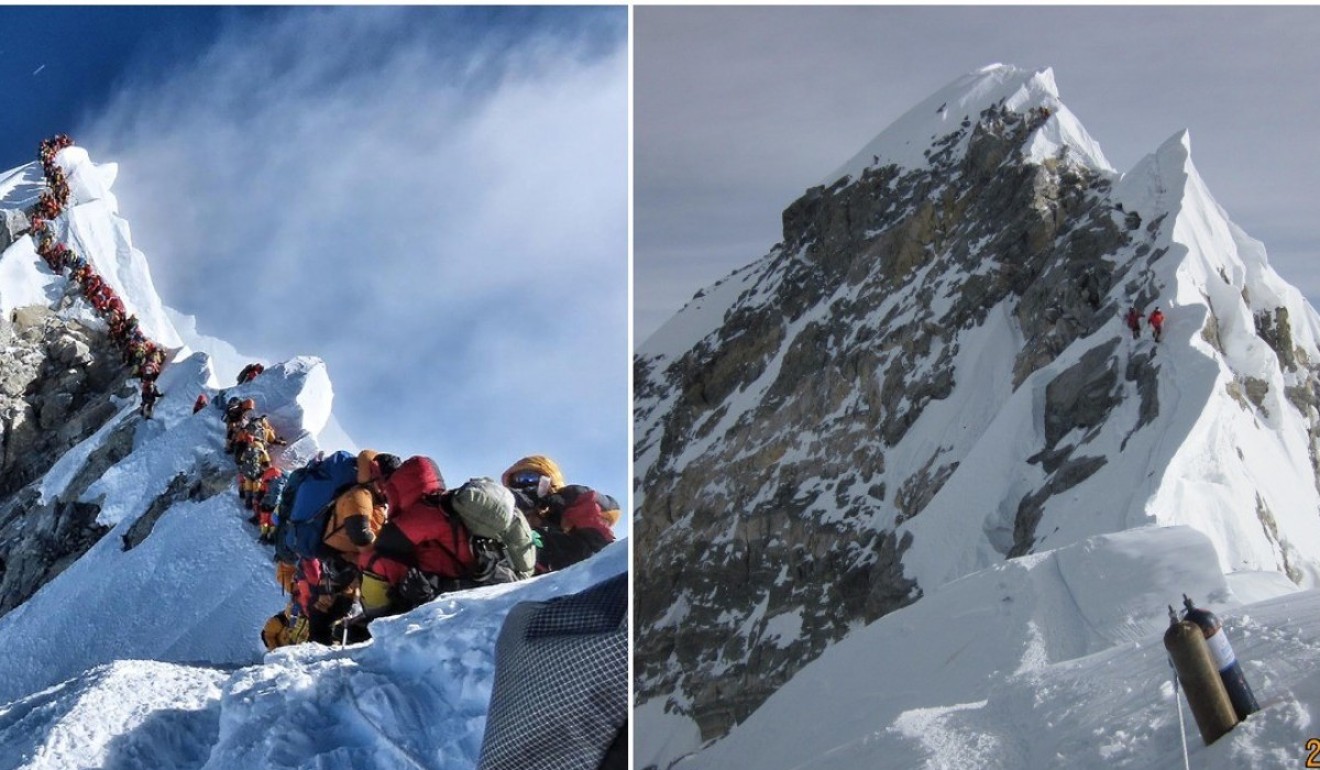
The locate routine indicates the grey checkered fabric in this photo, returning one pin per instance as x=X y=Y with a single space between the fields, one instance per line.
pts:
x=561 y=681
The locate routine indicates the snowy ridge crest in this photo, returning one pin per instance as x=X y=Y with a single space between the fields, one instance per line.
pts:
x=130 y=513
x=906 y=141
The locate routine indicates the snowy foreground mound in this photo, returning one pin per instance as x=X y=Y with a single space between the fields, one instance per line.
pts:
x=416 y=696
x=1049 y=660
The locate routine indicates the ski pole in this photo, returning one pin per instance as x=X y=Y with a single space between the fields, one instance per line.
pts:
x=1182 y=729
x=1182 y=726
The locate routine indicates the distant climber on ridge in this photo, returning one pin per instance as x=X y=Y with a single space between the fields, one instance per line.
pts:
x=250 y=372
x=259 y=429
x=1157 y=324
x=270 y=488
x=1133 y=320
x=235 y=420
x=149 y=395
x=253 y=460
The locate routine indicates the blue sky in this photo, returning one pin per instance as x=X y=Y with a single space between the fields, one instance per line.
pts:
x=433 y=200
x=46 y=93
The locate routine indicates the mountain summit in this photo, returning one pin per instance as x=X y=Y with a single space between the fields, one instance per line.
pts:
x=931 y=374
x=908 y=141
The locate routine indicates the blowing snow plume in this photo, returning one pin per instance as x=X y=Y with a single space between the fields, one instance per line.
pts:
x=932 y=373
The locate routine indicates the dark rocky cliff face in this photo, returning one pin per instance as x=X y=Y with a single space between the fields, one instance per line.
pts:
x=857 y=317
x=58 y=379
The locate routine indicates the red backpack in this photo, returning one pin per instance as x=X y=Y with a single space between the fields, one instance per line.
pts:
x=428 y=537
x=416 y=478
x=420 y=532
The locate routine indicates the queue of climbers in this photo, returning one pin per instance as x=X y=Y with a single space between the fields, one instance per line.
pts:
x=249 y=439
x=363 y=536
x=143 y=356
x=1156 y=320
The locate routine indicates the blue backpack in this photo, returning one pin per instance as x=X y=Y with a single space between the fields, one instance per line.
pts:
x=321 y=483
x=281 y=516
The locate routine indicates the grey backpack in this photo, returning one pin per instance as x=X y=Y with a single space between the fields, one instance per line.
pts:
x=487 y=509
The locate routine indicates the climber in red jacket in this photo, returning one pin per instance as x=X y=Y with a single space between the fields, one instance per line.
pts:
x=1133 y=320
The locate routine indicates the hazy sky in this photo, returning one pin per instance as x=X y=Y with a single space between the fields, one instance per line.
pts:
x=737 y=111
x=432 y=200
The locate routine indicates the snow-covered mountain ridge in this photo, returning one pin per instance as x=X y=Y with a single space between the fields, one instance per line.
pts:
x=133 y=588
x=930 y=374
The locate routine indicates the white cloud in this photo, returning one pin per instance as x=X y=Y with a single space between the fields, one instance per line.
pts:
x=433 y=200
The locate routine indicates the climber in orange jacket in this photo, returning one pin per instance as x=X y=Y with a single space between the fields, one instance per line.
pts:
x=1157 y=324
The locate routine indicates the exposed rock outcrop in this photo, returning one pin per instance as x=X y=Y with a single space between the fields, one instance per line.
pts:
x=802 y=532
x=58 y=381
x=13 y=224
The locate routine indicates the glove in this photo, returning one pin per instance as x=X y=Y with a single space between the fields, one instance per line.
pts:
x=536 y=539
x=414 y=589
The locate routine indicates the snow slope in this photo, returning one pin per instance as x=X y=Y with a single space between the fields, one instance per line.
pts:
x=1050 y=660
x=200 y=586
x=415 y=696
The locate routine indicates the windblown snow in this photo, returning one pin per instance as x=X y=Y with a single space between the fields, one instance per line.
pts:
x=150 y=656
x=1055 y=659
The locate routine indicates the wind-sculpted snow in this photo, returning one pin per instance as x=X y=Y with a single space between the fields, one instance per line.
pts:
x=121 y=715
x=931 y=374
x=416 y=696
x=1047 y=661
x=22 y=283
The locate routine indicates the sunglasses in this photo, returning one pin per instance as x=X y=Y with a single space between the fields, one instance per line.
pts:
x=525 y=479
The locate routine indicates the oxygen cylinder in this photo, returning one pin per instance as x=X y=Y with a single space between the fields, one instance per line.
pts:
x=1235 y=682
x=1200 y=681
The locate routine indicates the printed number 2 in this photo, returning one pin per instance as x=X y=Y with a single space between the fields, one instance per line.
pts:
x=1313 y=746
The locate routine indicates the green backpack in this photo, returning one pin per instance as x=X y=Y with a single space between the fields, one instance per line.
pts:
x=487 y=508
